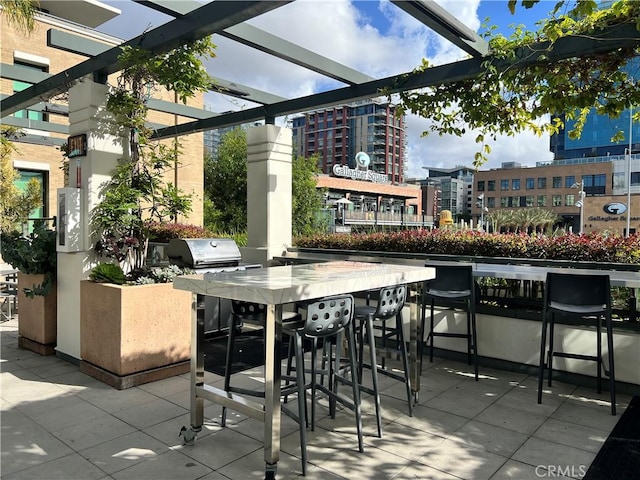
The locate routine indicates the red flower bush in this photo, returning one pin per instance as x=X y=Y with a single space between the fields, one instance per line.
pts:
x=163 y=232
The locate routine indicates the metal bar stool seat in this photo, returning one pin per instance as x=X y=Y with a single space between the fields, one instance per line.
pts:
x=390 y=303
x=585 y=296
x=453 y=287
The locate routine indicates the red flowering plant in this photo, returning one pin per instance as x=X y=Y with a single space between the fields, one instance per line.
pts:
x=593 y=247
x=162 y=232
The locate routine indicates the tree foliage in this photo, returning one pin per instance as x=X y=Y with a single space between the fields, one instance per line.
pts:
x=516 y=98
x=20 y=13
x=138 y=190
x=225 y=184
x=225 y=187
x=15 y=205
x=520 y=220
x=306 y=199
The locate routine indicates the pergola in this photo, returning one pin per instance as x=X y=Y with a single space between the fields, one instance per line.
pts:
x=268 y=152
x=193 y=20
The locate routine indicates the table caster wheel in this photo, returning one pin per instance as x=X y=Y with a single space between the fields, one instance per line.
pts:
x=270 y=471
x=189 y=435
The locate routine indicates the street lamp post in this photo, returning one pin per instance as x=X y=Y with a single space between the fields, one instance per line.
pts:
x=580 y=202
x=480 y=203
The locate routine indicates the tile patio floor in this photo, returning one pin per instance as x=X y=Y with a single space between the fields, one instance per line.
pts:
x=58 y=423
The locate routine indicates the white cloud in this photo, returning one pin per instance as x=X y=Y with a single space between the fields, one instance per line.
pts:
x=382 y=43
x=450 y=151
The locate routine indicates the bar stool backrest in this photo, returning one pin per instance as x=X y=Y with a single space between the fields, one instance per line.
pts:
x=578 y=290
x=328 y=316
x=453 y=279
x=391 y=301
x=249 y=311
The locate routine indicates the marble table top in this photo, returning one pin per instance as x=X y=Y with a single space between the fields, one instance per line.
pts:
x=292 y=283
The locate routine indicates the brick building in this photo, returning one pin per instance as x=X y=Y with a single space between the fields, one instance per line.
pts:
x=64 y=36
x=555 y=186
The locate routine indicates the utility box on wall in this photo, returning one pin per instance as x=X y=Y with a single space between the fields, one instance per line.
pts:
x=70 y=231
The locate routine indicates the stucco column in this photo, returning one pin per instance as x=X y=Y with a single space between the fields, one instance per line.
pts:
x=269 y=158
x=86 y=111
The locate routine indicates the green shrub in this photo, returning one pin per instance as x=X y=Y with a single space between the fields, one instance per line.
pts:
x=107 y=273
x=34 y=254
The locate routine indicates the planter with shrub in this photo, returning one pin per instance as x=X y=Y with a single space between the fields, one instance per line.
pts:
x=34 y=256
x=135 y=331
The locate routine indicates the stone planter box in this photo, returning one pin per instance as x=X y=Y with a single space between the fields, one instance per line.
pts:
x=130 y=335
x=37 y=318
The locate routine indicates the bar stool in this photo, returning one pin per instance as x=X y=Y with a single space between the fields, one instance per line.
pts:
x=256 y=314
x=452 y=287
x=329 y=319
x=584 y=296
x=391 y=300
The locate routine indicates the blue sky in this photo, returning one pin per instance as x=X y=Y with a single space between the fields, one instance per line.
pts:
x=372 y=36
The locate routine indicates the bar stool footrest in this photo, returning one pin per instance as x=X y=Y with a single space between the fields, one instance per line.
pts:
x=577 y=356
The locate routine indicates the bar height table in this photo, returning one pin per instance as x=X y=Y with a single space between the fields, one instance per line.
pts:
x=276 y=287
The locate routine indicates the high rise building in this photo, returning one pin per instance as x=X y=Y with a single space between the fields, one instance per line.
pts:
x=455 y=187
x=338 y=133
x=212 y=138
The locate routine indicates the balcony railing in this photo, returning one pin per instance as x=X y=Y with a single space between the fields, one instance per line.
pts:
x=350 y=217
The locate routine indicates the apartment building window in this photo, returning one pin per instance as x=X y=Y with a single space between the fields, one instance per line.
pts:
x=515 y=184
x=557 y=182
x=21 y=182
x=529 y=200
x=594 y=184
x=504 y=184
x=569 y=180
x=491 y=185
x=542 y=200
x=19 y=86
x=542 y=183
x=569 y=200
x=481 y=185
x=491 y=202
x=531 y=183
x=515 y=202
x=556 y=200
x=504 y=202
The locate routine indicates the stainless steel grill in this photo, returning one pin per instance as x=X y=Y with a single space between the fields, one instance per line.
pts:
x=203 y=254
x=209 y=256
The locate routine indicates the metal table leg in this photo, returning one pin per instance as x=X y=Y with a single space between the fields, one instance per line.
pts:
x=414 y=339
x=197 y=365
x=272 y=374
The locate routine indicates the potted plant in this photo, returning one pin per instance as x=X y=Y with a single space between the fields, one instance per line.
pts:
x=34 y=256
x=133 y=328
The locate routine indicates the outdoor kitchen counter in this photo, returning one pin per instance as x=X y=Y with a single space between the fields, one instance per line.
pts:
x=275 y=287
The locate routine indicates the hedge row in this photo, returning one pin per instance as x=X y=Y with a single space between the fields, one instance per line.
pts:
x=593 y=247
x=163 y=232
